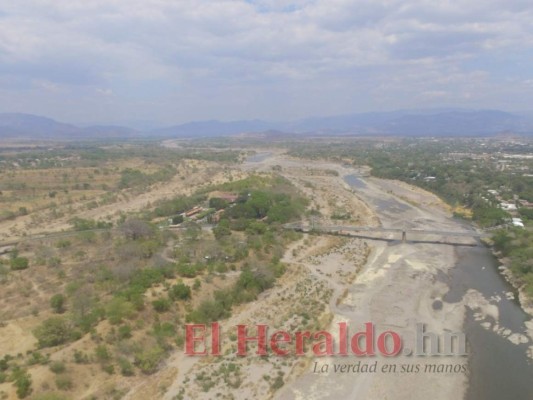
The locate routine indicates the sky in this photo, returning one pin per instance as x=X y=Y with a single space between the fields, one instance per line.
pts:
x=164 y=62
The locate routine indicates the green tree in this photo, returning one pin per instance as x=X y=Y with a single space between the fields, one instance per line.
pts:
x=180 y=291
x=217 y=203
x=149 y=357
x=119 y=308
x=22 y=381
x=178 y=219
x=161 y=305
x=57 y=302
x=222 y=229
x=53 y=331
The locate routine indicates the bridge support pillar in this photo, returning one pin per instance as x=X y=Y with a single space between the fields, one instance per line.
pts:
x=404 y=237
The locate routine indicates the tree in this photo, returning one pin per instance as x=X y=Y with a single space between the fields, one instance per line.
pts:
x=119 y=308
x=136 y=229
x=22 y=381
x=192 y=230
x=178 y=219
x=217 y=203
x=180 y=291
x=149 y=358
x=261 y=203
x=53 y=332
x=222 y=229
x=57 y=302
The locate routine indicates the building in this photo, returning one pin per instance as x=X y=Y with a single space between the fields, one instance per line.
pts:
x=508 y=206
x=193 y=211
x=229 y=197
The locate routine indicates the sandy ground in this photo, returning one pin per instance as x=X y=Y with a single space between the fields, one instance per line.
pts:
x=395 y=290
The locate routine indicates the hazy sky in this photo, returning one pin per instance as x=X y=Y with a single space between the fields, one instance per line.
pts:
x=174 y=61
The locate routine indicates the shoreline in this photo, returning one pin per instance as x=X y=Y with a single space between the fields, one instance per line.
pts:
x=525 y=301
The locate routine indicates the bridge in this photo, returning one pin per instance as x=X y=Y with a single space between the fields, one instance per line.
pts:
x=364 y=231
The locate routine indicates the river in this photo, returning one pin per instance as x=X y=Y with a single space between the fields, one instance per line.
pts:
x=499 y=369
x=450 y=287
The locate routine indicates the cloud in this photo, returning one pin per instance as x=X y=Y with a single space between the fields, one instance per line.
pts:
x=273 y=53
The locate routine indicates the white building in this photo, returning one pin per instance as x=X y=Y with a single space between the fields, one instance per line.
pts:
x=508 y=206
x=518 y=222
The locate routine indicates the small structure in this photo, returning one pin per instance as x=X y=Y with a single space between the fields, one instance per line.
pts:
x=518 y=222
x=215 y=218
x=229 y=197
x=525 y=203
x=193 y=211
x=508 y=206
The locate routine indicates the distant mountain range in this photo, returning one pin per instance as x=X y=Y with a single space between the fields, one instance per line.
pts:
x=28 y=126
x=436 y=122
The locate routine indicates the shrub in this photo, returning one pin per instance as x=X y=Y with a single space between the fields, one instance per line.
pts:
x=37 y=358
x=63 y=244
x=180 y=291
x=166 y=329
x=217 y=203
x=278 y=383
x=102 y=353
x=149 y=358
x=57 y=302
x=19 y=263
x=22 y=381
x=58 y=367
x=208 y=311
x=64 y=383
x=178 y=219
x=109 y=368
x=80 y=357
x=161 y=305
x=124 y=332
x=53 y=331
x=54 y=262
x=119 y=308
x=187 y=271
x=222 y=229
x=126 y=368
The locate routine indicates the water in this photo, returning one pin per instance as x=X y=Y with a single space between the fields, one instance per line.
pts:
x=498 y=368
x=355 y=181
x=389 y=204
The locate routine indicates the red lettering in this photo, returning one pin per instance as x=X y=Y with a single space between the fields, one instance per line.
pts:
x=215 y=339
x=323 y=348
x=396 y=344
x=368 y=336
x=275 y=339
x=191 y=339
x=260 y=339
x=343 y=346
x=300 y=346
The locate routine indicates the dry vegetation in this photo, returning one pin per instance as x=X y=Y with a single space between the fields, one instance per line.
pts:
x=96 y=287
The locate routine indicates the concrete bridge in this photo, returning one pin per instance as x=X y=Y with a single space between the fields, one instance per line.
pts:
x=364 y=231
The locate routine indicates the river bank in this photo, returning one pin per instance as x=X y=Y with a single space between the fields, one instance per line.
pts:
x=526 y=302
